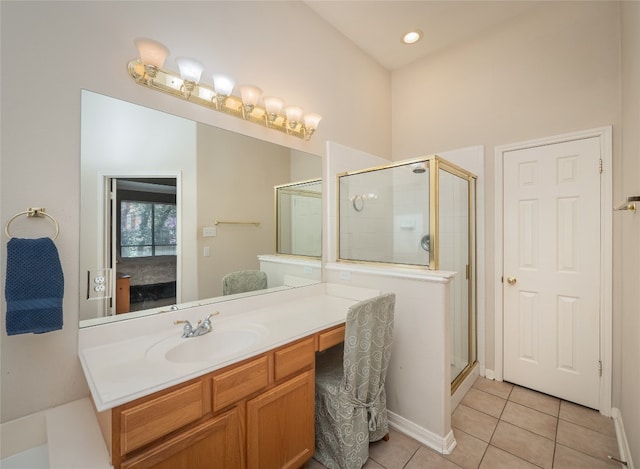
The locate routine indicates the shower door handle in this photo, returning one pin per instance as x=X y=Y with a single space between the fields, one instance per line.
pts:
x=511 y=280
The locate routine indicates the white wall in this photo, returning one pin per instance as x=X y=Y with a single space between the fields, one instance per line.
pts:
x=552 y=71
x=629 y=229
x=51 y=50
x=236 y=176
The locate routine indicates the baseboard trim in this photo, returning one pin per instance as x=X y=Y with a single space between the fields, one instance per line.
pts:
x=441 y=445
x=464 y=387
x=489 y=374
x=621 y=436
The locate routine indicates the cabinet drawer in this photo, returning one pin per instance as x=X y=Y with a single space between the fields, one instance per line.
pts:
x=150 y=420
x=240 y=382
x=214 y=443
x=330 y=338
x=294 y=358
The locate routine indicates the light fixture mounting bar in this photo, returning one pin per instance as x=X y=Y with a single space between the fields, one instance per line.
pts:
x=171 y=83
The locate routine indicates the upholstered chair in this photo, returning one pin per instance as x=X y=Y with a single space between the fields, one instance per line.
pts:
x=243 y=281
x=351 y=401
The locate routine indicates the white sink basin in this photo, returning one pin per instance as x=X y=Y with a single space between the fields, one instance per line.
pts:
x=224 y=341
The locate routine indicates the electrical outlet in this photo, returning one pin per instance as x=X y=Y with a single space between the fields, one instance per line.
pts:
x=345 y=275
x=98 y=284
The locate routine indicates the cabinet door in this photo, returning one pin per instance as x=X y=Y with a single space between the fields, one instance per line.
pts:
x=280 y=426
x=212 y=444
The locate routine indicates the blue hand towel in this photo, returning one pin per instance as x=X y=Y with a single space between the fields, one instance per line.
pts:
x=34 y=286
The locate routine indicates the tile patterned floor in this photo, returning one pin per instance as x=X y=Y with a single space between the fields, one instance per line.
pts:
x=498 y=425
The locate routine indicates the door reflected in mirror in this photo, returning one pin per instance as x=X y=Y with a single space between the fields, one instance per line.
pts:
x=299 y=218
x=219 y=178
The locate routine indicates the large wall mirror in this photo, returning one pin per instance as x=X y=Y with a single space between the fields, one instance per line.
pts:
x=170 y=206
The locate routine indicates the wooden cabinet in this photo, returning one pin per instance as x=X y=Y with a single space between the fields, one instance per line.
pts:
x=331 y=337
x=214 y=443
x=240 y=382
x=151 y=419
x=280 y=425
x=258 y=413
x=123 y=294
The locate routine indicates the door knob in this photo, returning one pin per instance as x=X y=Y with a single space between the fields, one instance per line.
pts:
x=511 y=280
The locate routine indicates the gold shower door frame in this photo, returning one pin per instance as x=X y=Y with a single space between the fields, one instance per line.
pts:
x=435 y=164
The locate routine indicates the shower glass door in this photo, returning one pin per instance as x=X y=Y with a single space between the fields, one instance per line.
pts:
x=420 y=214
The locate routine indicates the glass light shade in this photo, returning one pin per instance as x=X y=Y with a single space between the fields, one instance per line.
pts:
x=190 y=69
x=293 y=113
x=151 y=52
x=250 y=94
x=312 y=120
x=272 y=104
x=223 y=84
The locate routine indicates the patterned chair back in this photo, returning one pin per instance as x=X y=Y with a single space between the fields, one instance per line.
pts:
x=243 y=281
x=351 y=401
x=367 y=351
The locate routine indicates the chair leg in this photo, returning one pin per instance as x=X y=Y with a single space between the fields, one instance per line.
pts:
x=386 y=437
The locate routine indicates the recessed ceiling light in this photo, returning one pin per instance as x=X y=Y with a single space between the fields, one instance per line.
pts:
x=412 y=37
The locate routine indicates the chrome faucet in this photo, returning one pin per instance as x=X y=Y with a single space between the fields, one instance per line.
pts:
x=202 y=328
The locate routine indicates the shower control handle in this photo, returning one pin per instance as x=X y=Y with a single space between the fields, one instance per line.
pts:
x=511 y=280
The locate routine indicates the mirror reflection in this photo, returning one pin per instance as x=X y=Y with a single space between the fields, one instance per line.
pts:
x=299 y=218
x=170 y=206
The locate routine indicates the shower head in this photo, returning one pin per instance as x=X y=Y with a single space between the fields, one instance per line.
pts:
x=419 y=168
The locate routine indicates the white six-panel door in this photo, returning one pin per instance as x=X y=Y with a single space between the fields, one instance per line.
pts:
x=552 y=269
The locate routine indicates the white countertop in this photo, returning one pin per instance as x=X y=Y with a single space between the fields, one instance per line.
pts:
x=123 y=370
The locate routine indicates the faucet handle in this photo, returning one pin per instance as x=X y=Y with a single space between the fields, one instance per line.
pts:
x=209 y=316
x=188 y=328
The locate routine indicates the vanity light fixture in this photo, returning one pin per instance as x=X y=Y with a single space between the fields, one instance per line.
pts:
x=294 y=114
x=190 y=72
x=149 y=71
x=273 y=107
x=250 y=95
x=152 y=55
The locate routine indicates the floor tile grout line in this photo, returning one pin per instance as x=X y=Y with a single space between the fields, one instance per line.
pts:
x=555 y=439
x=410 y=457
x=588 y=428
x=516 y=456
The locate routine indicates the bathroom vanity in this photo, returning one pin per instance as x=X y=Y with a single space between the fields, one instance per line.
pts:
x=180 y=402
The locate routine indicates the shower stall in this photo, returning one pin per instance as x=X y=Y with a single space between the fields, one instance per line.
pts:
x=418 y=214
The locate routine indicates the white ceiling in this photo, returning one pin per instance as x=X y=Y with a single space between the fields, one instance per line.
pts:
x=377 y=26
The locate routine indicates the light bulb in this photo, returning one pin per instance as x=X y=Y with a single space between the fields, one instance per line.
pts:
x=151 y=52
x=190 y=69
x=412 y=37
x=223 y=85
x=250 y=95
x=273 y=105
x=294 y=114
x=311 y=121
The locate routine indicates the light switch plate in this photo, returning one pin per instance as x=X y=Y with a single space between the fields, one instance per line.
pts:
x=209 y=231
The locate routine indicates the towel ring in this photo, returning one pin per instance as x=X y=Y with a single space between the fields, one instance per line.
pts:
x=32 y=212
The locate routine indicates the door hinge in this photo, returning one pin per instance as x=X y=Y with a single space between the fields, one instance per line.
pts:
x=600 y=166
x=600 y=368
